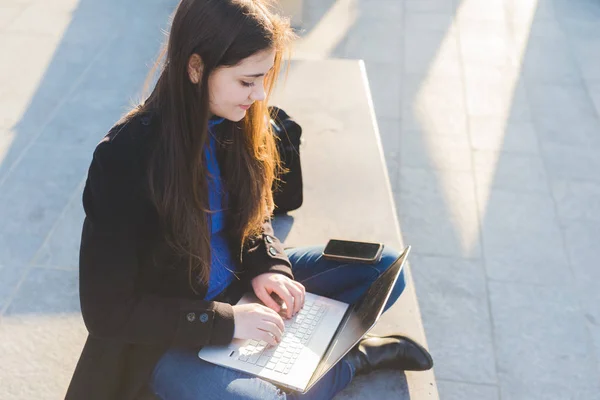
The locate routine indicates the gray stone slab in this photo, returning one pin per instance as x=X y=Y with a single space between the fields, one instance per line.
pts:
x=80 y=127
x=521 y=238
x=568 y=162
x=85 y=21
x=391 y=385
x=576 y=201
x=6 y=139
x=61 y=248
x=437 y=6
x=10 y=276
x=484 y=44
x=451 y=390
x=573 y=101
x=594 y=90
x=586 y=10
x=46 y=291
x=581 y=239
x=530 y=12
x=586 y=54
x=491 y=10
x=550 y=60
x=422 y=99
x=375 y=40
x=39 y=107
x=559 y=130
x=564 y=115
x=109 y=88
x=544 y=28
x=378 y=9
x=521 y=173
x=428 y=21
x=42 y=19
x=90 y=109
x=128 y=60
x=389 y=130
x=70 y=61
x=33 y=196
x=8 y=12
x=595 y=332
x=385 y=83
x=90 y=112
x=496 y=92
x=496 y=134
x=495 y=29
x=454 y=304
x=442 y=122
x=41 y=336
x=542 y=345
x=436 y=211
x=393 y=173
x=444 y=152
x=313 y=12
x=430 y=52
x=20 y=78
x=578 y=29
x=17 y=247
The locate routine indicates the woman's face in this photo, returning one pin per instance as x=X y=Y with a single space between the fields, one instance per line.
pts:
x=234 y=89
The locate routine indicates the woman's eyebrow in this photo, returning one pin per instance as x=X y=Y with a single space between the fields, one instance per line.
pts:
x=257 y=75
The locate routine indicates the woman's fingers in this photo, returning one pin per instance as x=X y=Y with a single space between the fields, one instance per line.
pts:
x=266 y=337
x=297 y=293
x=273 y=317
x=265 y=297
x=275 y=329
x=302 y=295
x=287 y=297
x=300 y=286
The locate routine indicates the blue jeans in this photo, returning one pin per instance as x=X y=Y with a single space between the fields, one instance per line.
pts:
x=181 y=375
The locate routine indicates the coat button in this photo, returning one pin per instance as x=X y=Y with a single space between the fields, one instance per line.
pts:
x=269 y=239
x=145 y=120
x=273 y=251
x=191 y=317
x=204 y=318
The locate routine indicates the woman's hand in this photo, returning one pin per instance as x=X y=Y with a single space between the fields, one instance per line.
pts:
x=290 y=291
x=255 y=321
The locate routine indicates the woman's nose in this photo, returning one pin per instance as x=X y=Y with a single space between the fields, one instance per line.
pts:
x=258 y=94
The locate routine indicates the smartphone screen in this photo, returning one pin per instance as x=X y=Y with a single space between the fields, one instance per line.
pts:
x=345 y=248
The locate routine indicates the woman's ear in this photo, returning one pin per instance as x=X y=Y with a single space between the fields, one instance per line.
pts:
x=195 y=67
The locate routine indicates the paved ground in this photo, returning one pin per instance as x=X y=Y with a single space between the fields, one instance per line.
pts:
x=489 y=114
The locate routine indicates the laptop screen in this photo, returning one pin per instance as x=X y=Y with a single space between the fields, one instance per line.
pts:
x=360 y=318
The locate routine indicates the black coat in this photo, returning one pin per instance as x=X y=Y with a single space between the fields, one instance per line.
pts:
x=135 y=295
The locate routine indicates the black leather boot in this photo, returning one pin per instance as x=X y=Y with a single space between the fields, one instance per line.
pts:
x=389 y=352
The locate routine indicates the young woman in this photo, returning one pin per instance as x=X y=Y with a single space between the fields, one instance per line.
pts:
x=178 y=203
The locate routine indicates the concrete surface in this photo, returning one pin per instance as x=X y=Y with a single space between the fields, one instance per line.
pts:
x=489 y=116
x=347 y=194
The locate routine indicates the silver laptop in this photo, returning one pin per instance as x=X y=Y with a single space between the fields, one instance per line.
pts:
x=313 y=341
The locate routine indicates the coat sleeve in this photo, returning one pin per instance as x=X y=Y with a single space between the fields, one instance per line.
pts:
x=112 y=303
x=265 y=254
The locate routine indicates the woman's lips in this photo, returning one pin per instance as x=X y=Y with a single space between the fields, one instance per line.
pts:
x=245 y=107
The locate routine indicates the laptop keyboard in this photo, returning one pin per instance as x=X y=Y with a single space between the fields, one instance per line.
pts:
x=298 y=332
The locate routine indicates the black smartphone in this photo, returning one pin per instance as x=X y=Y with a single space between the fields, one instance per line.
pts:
x=351 y=251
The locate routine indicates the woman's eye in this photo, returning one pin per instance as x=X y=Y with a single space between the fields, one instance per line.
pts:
x=247 y=84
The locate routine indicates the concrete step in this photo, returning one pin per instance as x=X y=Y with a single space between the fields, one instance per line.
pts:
x=347 y=194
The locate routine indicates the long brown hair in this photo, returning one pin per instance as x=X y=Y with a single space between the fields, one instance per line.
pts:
x=222 y=33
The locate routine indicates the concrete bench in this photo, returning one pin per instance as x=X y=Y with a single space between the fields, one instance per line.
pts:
x=347 y=194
